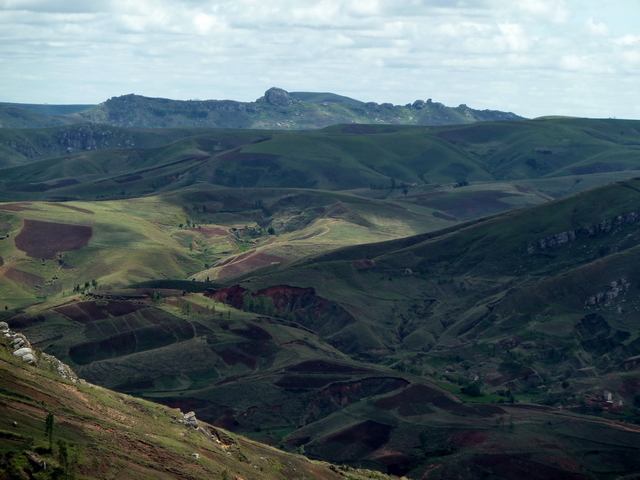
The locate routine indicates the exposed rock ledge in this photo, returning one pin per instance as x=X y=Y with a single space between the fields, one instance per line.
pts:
x=21 y=348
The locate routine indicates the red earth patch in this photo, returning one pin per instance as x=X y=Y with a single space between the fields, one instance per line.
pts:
x=70 y=207
x=370 y=433
x=86 y=312
x=46 y=239
x=470 y=438
x=23 y=278
x=520 y=467
x=16 y=207
x=249 y=263
x=212 y=232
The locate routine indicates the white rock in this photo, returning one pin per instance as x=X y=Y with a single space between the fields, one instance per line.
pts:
x=26 y=355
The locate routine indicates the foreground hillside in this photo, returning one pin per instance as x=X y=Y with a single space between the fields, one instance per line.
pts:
x=97 y=433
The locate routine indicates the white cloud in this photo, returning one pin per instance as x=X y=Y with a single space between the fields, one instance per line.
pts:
x=498 y=54
x=597 y=28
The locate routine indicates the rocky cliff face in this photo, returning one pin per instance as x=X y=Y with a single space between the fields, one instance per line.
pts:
x=559 y=239
x=71 y=139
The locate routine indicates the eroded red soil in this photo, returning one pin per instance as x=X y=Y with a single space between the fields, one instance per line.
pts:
x=23 y=278
x=16 y=207
x=246 y=263
x=46 y=239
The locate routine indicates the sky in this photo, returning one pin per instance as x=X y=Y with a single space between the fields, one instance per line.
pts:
x=531 y=57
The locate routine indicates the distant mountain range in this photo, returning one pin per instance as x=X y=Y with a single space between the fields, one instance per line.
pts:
x=277 y=109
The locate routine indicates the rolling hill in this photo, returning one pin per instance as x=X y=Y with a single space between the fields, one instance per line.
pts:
x=346 y=157
x=362 y=354
x=456 y=301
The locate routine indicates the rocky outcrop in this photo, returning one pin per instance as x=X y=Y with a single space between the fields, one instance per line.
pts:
x=71 y=139
x=19 y=345
x=22 y=349
x=189 y=420
x=138 y=111
x=278 y=96
x=559 y=239
x=612 y=291
x=553 y=241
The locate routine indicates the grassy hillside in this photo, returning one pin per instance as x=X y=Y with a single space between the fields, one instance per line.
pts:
x=373 y=295
x=461 y=350
x=97 y=433
x=15 y=116
x=25 y=145
x=52 y=110
x=536 y=277
x=48 y=249
x=335 y=158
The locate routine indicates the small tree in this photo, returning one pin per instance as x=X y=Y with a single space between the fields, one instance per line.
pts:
x=49 y=422
x=248 y=303
x=474 y=389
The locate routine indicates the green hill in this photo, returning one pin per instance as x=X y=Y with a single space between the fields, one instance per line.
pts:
x=379 y=159
x=16 y=116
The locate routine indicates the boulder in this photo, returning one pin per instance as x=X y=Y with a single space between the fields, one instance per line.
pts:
x=190 y=419
x=278 y=96
x=26 y=355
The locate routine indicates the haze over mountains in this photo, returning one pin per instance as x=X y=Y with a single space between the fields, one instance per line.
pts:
x=452 y=299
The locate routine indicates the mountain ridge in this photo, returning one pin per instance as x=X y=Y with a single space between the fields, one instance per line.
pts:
x=276 y=110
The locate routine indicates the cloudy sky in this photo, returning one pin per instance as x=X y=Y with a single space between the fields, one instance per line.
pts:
x=531 y=57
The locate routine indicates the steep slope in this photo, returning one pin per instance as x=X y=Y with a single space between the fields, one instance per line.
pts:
x=54 y=427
